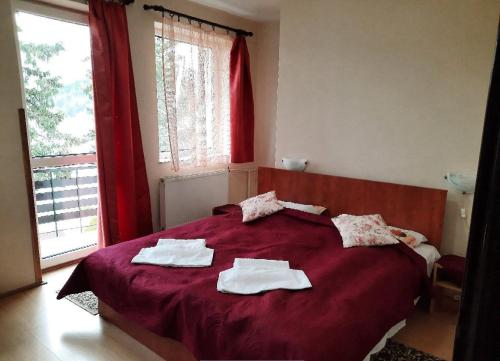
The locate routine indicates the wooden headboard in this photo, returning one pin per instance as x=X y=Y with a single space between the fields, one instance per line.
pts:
x=416 y=208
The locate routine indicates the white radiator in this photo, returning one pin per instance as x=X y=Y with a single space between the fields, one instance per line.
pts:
x=188 y=198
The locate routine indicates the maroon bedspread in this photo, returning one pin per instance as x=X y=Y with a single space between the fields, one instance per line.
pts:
x=357 y=294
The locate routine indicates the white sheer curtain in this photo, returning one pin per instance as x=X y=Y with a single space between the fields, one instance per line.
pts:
x=193 y=95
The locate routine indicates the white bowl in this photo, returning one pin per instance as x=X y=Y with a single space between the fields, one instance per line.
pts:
x=295 y=164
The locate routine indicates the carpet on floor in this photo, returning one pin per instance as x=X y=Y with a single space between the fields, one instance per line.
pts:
x=393 y=351
x=86 y=300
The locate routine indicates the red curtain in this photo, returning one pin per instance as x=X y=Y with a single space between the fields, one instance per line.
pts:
x=124 y=203
x=242 y=116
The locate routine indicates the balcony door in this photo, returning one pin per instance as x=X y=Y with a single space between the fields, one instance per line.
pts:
x=54 y=51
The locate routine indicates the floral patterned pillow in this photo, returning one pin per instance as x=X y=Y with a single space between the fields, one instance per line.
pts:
x=260 y=206
x=369 y=230
x=411 y=238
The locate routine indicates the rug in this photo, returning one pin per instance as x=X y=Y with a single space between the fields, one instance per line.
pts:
x=394 y=351
x=86 y=300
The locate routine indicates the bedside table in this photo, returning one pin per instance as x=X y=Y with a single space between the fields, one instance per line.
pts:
x=447 y=275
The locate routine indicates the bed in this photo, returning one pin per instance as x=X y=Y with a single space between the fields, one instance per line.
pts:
x=358 y=295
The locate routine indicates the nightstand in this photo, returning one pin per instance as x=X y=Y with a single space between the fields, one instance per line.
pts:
x=447 y=277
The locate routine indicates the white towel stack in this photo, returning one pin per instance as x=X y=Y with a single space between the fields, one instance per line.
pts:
x=176 y=253
x=249 y=276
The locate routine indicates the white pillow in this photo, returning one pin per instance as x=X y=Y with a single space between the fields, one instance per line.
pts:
x=411 y=238
x=260 y=206
x=369 y=230
x=303 y=207
x=430 y=253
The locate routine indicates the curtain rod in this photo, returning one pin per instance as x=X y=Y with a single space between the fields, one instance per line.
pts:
x=123 y=2
x=198 y=20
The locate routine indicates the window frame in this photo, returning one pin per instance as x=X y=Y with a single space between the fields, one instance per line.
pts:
x=53 y=11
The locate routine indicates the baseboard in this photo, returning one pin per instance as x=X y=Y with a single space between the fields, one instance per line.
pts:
x=21 y=289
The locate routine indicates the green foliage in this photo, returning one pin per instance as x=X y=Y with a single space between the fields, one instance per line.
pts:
x=42 y=90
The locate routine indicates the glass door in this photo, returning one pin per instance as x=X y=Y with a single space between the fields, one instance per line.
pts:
x=54 y=48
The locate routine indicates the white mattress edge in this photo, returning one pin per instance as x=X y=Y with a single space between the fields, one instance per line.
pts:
x=381 y=344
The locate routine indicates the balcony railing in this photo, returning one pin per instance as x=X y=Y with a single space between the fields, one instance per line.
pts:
x=66 y=202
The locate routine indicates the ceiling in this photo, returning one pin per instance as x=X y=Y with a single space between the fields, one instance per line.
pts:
x=257 y=10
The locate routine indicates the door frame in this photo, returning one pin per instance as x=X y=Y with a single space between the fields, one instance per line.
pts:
x=67 y=11
x=28 y=176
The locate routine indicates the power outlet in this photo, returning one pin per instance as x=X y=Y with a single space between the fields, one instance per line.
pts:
x=462 y=213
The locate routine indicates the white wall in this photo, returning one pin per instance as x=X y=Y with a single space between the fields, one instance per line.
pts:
x=265 y=87
x=387 y=90
x=16 y=257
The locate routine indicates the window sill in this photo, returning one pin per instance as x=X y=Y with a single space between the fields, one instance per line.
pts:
x=202 y=172
x=181 y=175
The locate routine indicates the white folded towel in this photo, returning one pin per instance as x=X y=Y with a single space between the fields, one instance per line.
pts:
x=250 y=276
x=175 y=256
x=260 y=263
x=181 y=242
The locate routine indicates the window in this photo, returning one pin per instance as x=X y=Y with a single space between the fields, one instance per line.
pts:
x=192 y=79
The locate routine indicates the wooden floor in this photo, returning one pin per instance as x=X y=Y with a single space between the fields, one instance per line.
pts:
x=35 y=326
x=432 y=333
